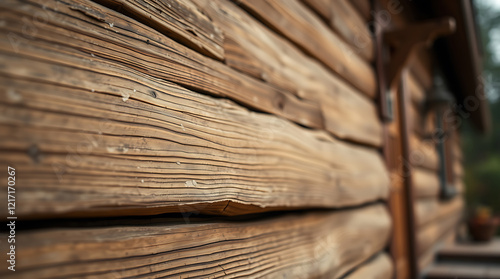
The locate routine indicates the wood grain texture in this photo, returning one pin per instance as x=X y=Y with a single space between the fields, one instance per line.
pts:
x=458 y=169
x=423 y=153
x=363 y=7
x=317 y=102
x=421 y=68
x=100 y=139
x=293 y=246
x=380 y=267
x=254 y=49
x=429 y=210
x=296 y=22
x=425 y=183
x=426 y=259
x=179 y=20
x=346 y=21
x=416 y=91
x=103 y=33
x=431 y=233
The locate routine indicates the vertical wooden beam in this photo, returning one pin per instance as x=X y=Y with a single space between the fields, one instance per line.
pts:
x=388 y=151
x=404 y=101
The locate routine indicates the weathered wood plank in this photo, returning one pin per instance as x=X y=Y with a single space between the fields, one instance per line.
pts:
x=179 y=20
x=422 y=123
x=425 y=183
x=321 y=7
x=458 y=169
x=380 y=267
x=102 y=139
x=429 y=210
x=347 y=114
x=433 y=232
x=257 y=51
x=426 y=259
x=436 y=220
x=304 y=28
x=103 y=33
x=416 y=122
x=363 y=7
x=417 y=93
x=346 y=21
x=421 y=68
x=291 y=246
x=423 y=153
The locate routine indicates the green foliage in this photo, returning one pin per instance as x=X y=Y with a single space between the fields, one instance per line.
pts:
x=482 y=152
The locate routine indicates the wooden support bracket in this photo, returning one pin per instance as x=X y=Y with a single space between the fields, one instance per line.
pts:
x=406 y=40
x=403 y=43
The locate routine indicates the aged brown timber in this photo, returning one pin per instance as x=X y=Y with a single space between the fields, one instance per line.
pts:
x=346 y=21
x=293 y=246
x=380 y=267
x=103 y=33
x=253 y=49
x=431 y=233
x=179 y=20
x=321 y=102
x=363 y=7
x=431 y=209
x=416 y=91
x=304 y=28
x=423 y=153
x=426 y=183
x=103 y=139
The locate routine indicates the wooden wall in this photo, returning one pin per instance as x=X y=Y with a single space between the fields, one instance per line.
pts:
x=436 y=218
x=199 y=109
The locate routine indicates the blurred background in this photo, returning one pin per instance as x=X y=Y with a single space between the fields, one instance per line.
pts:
x=482 y=152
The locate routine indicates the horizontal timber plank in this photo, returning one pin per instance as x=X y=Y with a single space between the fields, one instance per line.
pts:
x=459 y=185
x=458 y=169
x=380 y=267
x=429 y=210
x=425 y=183
x=431 y=233
x=296 y=22
x=421 y=68
x=292 y=246
x=179 y=20
x=363 y=7
x=423 y=153
x=346 y=21
x=417 y=93
x=423 y=124
x=254 y=49
x=426 y=259
x=106 y=36
x=337 y=107
x=103 y=140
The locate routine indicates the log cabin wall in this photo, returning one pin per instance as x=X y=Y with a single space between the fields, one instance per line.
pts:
x=115 y=111
x=436 y=217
